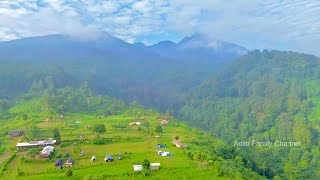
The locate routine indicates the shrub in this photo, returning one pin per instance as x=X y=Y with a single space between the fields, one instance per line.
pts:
x=159 y=129
x=69 y=172
x=177 y=137
x=99 y=128
x=146 y=166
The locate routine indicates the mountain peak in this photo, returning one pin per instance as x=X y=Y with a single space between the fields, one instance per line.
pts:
x=200 y=40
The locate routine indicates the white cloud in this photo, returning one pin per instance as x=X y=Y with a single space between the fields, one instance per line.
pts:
x=285 y=24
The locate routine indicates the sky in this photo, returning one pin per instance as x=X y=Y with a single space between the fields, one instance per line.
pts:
x=256 y=24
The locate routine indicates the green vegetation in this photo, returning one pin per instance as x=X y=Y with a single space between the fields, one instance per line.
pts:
x=159 y=129
x=265 y=96
x=99 y=128
x=146 y=166
x=69 y=172
x=217 y=159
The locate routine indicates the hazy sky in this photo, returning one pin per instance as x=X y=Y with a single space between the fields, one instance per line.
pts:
x=255 y=24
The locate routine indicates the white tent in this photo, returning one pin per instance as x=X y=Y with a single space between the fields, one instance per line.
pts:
x=93 y=158
x=46 y=149
x=166 y=154
x=138 y=123
x=154 y=166
x=137 y=168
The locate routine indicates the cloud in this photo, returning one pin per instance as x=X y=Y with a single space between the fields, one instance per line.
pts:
x=274 y=24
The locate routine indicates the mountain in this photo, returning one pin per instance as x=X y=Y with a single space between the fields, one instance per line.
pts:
x=201 y=48
x=113 y=66
x=265 y=96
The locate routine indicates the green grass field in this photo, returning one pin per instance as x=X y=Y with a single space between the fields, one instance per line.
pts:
x=133 y=144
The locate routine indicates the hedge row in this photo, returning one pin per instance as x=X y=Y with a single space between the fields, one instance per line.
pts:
x=6 y=162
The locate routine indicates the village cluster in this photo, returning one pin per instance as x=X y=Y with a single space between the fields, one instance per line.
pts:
x=48 y=149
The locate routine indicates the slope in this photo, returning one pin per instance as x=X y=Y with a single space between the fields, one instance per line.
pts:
x=265 y=96
x=206 y=158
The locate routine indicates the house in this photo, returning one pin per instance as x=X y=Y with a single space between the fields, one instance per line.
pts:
x=15 y=133
x=154 y=166
x=137 y=168
x=160 y=145
x=59 y=162
x=109 y=158
x=47 y=152
x=69 y=162
x=48 y=142
x=179 y=144
x=93 y=159
x=164 y=122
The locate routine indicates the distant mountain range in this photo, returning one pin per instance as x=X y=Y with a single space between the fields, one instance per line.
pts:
x=158 y=75
x=197 y=47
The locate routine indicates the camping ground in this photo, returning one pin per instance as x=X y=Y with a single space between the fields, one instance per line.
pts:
x=135 y=143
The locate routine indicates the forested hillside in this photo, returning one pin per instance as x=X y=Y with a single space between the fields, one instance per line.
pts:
x=269 y=95
x=114 y=67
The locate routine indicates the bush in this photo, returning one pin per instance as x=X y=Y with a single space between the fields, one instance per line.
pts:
x=21 y=173
x=99 y=141
x=69 y=172
x=99 y=128
x=159 y=129
x=177 y=137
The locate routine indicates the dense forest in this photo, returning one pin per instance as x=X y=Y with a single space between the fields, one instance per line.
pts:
x=269 y=95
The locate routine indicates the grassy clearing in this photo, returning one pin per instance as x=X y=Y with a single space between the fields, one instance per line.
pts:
x=133 y=144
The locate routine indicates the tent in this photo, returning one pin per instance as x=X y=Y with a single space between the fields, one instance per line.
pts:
x=108 y=158
x=138 y=123
x=160 y=145
x=59 y=162
x=154 y=166
x=137 y=168
x=160 y=152
x=120 y=156
x=70 y=162
x=93 y=159
x=166 y=154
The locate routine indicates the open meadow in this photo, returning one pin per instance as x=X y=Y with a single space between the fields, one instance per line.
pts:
x=136 y=143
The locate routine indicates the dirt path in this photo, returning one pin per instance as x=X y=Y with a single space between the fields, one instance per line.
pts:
x=5 y=157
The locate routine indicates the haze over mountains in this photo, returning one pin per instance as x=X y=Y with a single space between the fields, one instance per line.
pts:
x=197 y=47
x=118 y=68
